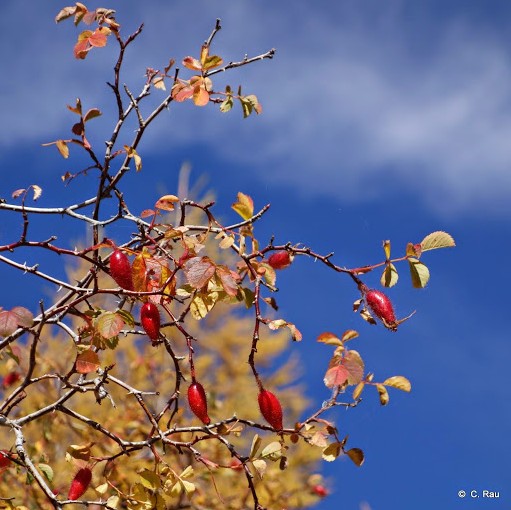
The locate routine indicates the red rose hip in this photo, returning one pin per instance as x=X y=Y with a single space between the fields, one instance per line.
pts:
x=150 y=319
x=198 y=402
x=270 y=408
x=381 y=306
x=5 y=459
x=280 y=259
x=120 y=270
x=80 y=484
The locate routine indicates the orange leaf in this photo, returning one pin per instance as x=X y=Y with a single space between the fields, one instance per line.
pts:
x=99 y=37
x=200 y=96
x=166 y=203
x=87 y=362
x=81 y=48
x=182 y=91
x=192 y=63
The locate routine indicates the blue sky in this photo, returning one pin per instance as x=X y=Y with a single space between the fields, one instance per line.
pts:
x=382 y=120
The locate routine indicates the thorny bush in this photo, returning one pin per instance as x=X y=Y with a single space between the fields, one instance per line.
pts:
x=100 y=387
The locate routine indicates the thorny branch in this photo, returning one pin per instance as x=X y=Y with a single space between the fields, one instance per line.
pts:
x=179 y=245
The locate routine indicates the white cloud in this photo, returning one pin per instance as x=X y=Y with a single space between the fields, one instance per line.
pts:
x=349 y=105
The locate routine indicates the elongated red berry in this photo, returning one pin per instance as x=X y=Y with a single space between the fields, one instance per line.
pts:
x=5 y=459
x=270 y=408
x=280 y=259
x=10 y=379
x=320 y=490
x=381 y=306
x=198 y=402
x=120 y=270
x=80 y=483
x=150 y=319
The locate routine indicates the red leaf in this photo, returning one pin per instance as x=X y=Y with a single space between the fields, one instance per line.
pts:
x=198 y=271
x=228 y=280
x=182 y=91
x=336 y=376
x=11 y=320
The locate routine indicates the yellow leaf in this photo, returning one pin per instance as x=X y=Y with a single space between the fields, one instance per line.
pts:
x=437 y=240
x=419 y=273
x=159 y=83
x=113 y=501
x=386 y=249
x=349 y=334
x=273 y=451
x=383 y=393
x=226 y=242
x=188 y=487
x=260 y=466
x=399 y=382
x=390 y=276
x=244 y=206
x=358 y=390
x=187 y=472
x=63 y=148
x=101 y=489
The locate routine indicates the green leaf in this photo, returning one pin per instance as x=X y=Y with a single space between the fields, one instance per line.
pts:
x=256 y=443
x=399 y=382
x=273 y=451
x=47 y=471
x=437 y=240
x=390 y=276
x=419 y=273
x=226 y=105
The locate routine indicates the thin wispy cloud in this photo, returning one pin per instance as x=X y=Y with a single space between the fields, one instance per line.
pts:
x=347 y=103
